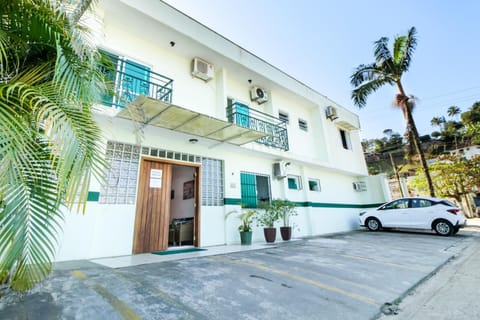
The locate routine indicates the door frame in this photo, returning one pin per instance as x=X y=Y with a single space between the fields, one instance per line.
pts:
x=197 y=194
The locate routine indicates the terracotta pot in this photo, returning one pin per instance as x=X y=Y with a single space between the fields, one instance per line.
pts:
x=286 y=233
x=270 y=234
x=245 y=237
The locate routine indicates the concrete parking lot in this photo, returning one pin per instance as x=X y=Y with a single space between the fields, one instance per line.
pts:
x=345 y=276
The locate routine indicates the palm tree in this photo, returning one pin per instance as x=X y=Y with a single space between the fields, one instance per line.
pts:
x=453 y=111
x=50 y=143
x=388 y=68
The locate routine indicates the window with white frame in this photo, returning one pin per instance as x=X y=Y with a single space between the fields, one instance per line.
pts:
x=302 y=124
x=294 y=182
x=255 y=189
x=314 y=185
x=345 y=137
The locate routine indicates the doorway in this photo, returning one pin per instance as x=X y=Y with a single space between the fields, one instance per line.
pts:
x=167 y=204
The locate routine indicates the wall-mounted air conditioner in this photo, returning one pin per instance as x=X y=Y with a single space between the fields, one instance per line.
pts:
x=258 y=95
x=331 y=113
x=280 y=169
x=202 y=69
x=360 y=186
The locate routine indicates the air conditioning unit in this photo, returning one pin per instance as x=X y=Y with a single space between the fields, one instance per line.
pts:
x=259 y=95
x=202 y=69
x=280 y=169
x=331 y=113
x=359 y=186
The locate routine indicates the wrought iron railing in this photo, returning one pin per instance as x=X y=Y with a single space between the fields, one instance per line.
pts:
x=276 y=129
x=129 y=80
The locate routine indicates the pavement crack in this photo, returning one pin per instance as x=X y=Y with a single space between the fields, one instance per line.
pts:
x=260 y=277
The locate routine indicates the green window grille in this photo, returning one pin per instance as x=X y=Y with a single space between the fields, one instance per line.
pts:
x=255 y=189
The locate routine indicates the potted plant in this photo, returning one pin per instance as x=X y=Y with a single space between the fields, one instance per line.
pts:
x=286 y=209
x=267 y=219
x=245 y=228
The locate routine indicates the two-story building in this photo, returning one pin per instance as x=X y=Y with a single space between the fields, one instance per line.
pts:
x=198 y=126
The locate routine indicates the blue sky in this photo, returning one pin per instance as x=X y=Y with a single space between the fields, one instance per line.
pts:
x=321 y=42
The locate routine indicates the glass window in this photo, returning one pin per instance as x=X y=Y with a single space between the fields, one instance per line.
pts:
x=314 y=185
x=345 y=139
x=397 y=204
x=255 y=189
x=294 y=182
x=283 y=116
x=302 y=124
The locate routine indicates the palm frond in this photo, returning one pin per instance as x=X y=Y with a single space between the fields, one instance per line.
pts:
x=407 y=49
x=49 y=144
x=382 y=54
x=361 y=93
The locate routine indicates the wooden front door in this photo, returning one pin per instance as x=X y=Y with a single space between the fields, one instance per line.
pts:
x=153 y=207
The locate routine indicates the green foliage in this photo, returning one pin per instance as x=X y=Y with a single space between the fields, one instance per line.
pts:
x=49 y=141
x=278 y=209
x=246 y=218
x=453 y=177
x=471 y=120
x=267 y=216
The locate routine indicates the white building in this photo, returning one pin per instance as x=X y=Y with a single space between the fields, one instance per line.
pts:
x=215 y=127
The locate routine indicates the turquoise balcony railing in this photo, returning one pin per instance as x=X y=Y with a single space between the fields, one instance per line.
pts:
x=130 y=79
x=276 y=129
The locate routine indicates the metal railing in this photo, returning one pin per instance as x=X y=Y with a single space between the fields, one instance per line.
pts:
x=129 y=80
x=276 y=129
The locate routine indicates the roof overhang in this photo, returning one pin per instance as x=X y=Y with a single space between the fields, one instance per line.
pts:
x=153 y=112
x=346 y=125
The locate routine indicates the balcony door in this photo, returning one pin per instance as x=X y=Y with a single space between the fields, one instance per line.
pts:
x=243 y=115
x=128 y=78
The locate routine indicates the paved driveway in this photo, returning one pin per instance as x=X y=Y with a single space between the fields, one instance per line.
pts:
x=345 y=276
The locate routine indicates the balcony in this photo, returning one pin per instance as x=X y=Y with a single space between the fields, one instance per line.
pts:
x=275 y=129
x=130 y=80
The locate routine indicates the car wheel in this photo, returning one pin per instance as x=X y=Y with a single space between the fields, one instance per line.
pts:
x=443 y=228
x=373 y=224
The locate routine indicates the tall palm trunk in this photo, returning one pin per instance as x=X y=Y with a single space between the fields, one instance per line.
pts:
x=412 y=129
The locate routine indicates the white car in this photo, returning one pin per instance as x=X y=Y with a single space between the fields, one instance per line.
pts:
x=436 y=214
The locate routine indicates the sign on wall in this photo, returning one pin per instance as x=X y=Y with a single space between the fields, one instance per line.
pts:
x=156 y=178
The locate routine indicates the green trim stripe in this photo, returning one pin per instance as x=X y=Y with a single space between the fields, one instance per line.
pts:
x=235 y=201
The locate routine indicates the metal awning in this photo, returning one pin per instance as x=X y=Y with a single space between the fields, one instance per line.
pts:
x=160 y=114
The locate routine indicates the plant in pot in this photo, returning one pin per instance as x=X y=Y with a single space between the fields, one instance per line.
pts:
x=245 y=228
x=286 y=210
x=267 y=219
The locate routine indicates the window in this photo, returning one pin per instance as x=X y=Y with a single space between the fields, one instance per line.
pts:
x=397 y=204
x=302 y=124
x=420 y=203
x=121 y=178
x=294 y=182
x=283 y=116
x=255 y=189
x=314 y=185
x=345 y=139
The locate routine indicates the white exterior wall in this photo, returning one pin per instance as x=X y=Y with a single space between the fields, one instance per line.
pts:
x=108 y=230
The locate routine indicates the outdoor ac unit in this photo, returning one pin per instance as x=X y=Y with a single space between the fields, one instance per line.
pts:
x=359 y=186
x=280 y=169
x=202 y=69
x=331 y=113
x=259 y=95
